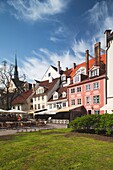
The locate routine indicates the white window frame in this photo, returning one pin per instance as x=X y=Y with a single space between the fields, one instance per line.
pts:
x=87 y=87
x=55 y=96
x=64 y=94
x=96 y=99
x=96 y=85
x=87 y=101
x=79 y=101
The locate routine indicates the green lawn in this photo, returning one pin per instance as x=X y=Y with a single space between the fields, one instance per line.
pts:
x=56 y=150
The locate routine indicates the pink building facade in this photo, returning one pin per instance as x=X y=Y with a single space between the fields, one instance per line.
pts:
x=88 y=86
x=89 y=93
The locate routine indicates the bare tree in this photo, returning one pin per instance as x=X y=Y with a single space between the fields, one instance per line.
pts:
x=6 y=73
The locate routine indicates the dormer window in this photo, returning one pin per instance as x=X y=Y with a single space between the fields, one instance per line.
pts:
x=64 y=78
x=55 y=96
x=64 y=94
x=40 y=90
x=77 y=78
x=94 y=72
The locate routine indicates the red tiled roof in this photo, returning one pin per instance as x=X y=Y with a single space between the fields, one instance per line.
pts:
x=91 y=63
x=68 y=72
x=22 y=97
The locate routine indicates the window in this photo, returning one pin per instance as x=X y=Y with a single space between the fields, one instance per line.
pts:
x=87 y=100
x=31 y=100
x=35 y=99
x=63 y=78
x=55 y=96
x=40 y=90
x=78 y=89
x=96 y=85
x=31 y=107
x=43 y=106
x=13 y=107
x=94 y=73
x=54 y=105
x=50 y=106
x=73 y=102
x=96 y=99
x=59 y=105
x=97 y=112
x=87 y=87
x=76 y=78
x=38 y=106
x=49 y=74
x=38 y=97
x=73 y=90
x=42 y=97
x=35 y=107
x=78 y=101
x=18 y=107
x=64 y=104
x=64 y=94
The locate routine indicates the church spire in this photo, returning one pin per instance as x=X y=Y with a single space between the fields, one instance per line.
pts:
x=16 y=69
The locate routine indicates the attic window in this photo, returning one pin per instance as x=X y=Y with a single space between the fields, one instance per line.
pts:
x=55 y=96
x=64 y=94
x=77 y=79
x=63 y=78
x=49 y=74
x=40 y=90
x=94 y=73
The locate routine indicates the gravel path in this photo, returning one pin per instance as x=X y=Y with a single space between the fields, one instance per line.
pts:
x=30 y=129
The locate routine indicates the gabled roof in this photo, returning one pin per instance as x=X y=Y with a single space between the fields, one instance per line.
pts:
x=67 y=72
x=60 y=91
x=91 y=63
x=54 y=67
x=47 y=85
x=21 y=99
x=18 y=82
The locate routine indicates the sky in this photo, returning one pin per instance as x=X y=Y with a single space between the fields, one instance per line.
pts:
x=42 y=32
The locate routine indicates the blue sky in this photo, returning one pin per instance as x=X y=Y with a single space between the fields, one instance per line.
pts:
x=41 y=32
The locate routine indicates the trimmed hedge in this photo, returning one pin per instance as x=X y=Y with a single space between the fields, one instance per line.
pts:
x=96 y=123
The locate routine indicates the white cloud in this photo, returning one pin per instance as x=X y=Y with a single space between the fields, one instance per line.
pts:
x=36 y=66
x=33 y=68
x=54 y=39
x=99 y=18
x=35 y=9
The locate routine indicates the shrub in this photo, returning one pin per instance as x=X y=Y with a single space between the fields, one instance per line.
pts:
x=98 y=123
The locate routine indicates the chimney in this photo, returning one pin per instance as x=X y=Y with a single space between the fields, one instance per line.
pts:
x=34 y=87
x=66 y=68
x=107 y=35
x=74 y=65
x=59 y=68
x=97 y=53
x=87 y=62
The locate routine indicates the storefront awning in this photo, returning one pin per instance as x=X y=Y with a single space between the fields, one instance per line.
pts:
x=66 y=109
x=107 y=107
x=46 y=112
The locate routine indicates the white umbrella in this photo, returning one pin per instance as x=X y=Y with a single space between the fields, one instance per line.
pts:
x=3 y=111
x=16 y=111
